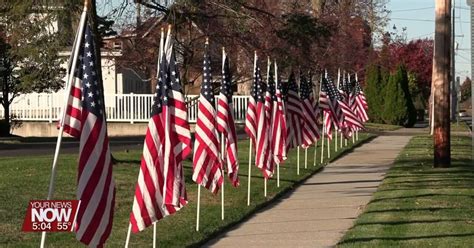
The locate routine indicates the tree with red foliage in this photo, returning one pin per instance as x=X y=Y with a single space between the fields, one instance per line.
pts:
x=308 y=34
x=417 y=56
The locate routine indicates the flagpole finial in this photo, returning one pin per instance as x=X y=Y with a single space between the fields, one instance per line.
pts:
x=207 y=40
x=87 y=3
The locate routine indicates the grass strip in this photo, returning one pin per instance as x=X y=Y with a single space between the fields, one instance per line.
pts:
x=25 y=178
x=418 y=205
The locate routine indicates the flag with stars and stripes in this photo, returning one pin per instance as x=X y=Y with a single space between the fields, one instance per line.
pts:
x=225 y=122
x=278 y=124
x=160 y=189
x=328 y=108
x=294 y=114
x=207 y=163
x=85 y=119
x=359 y=102
x=310 y=130
x=265 y=127
x=262 y=145
x=178 y=134
x=342 y=114
x=251 y=115
x=344 y=91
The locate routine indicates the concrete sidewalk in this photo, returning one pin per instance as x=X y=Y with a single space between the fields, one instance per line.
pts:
x=320 y=211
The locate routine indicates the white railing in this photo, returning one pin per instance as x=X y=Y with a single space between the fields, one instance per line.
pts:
x=119 y=107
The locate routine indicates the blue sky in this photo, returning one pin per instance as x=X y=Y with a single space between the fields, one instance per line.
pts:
x=418 y=17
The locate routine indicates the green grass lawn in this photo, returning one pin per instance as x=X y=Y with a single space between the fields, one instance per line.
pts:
x=419 y=206
x=378 y=127
x=459 y=127
x=26 y=178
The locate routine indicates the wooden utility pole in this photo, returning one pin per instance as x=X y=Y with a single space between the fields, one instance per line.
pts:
x=441 y=82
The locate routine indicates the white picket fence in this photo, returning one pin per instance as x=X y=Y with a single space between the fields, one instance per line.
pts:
x=119 y=107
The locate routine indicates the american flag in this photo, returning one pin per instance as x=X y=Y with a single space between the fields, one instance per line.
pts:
x=265 y=127
x=161 y=169
x=345 y=91
x=178 y=136
x=359 y=102
x=85 y=119
x=342 y=114
x=294 y=114
x=225 y=122
x=263 y=111
x=207 y=164
x=251 y=115
x=330 y=112
x=278 y=124
x=310 y=128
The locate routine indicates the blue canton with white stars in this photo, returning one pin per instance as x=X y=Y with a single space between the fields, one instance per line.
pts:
x=306 y=89
x=260 y=87
x=330 y=89
x=292 y=86
x=206 y=87
x=345 y=86
x=357 y=89
x=86 y=70
x=226 y=86
x=161 y=88
x=271 y=86
x=174 y=82
x=253 y=91
x=283 y=87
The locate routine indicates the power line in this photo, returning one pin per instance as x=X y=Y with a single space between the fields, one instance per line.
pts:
x=407 y=10
x=466 y=59
x=423 y=35
x=420 y=20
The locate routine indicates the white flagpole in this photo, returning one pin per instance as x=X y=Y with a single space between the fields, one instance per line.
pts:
x=224 y=161
x=73 y=58
x=250 y=172
x=341 y=139
x=250 y=146
x=329 y=148
x=322 y=140
x=223 y=174
x=278 y=175
x=276 y=87
x=168 y=43
x=357 y=131
x=265 y=186
x=338 y=83
x=198 y=207
x=127 y=241
x=268 y=76
x=316 y=144
x=154 y=234
x=306 y=158
x=315 y=153
x=163 y=49
x=298 y=161
x=324 y=126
